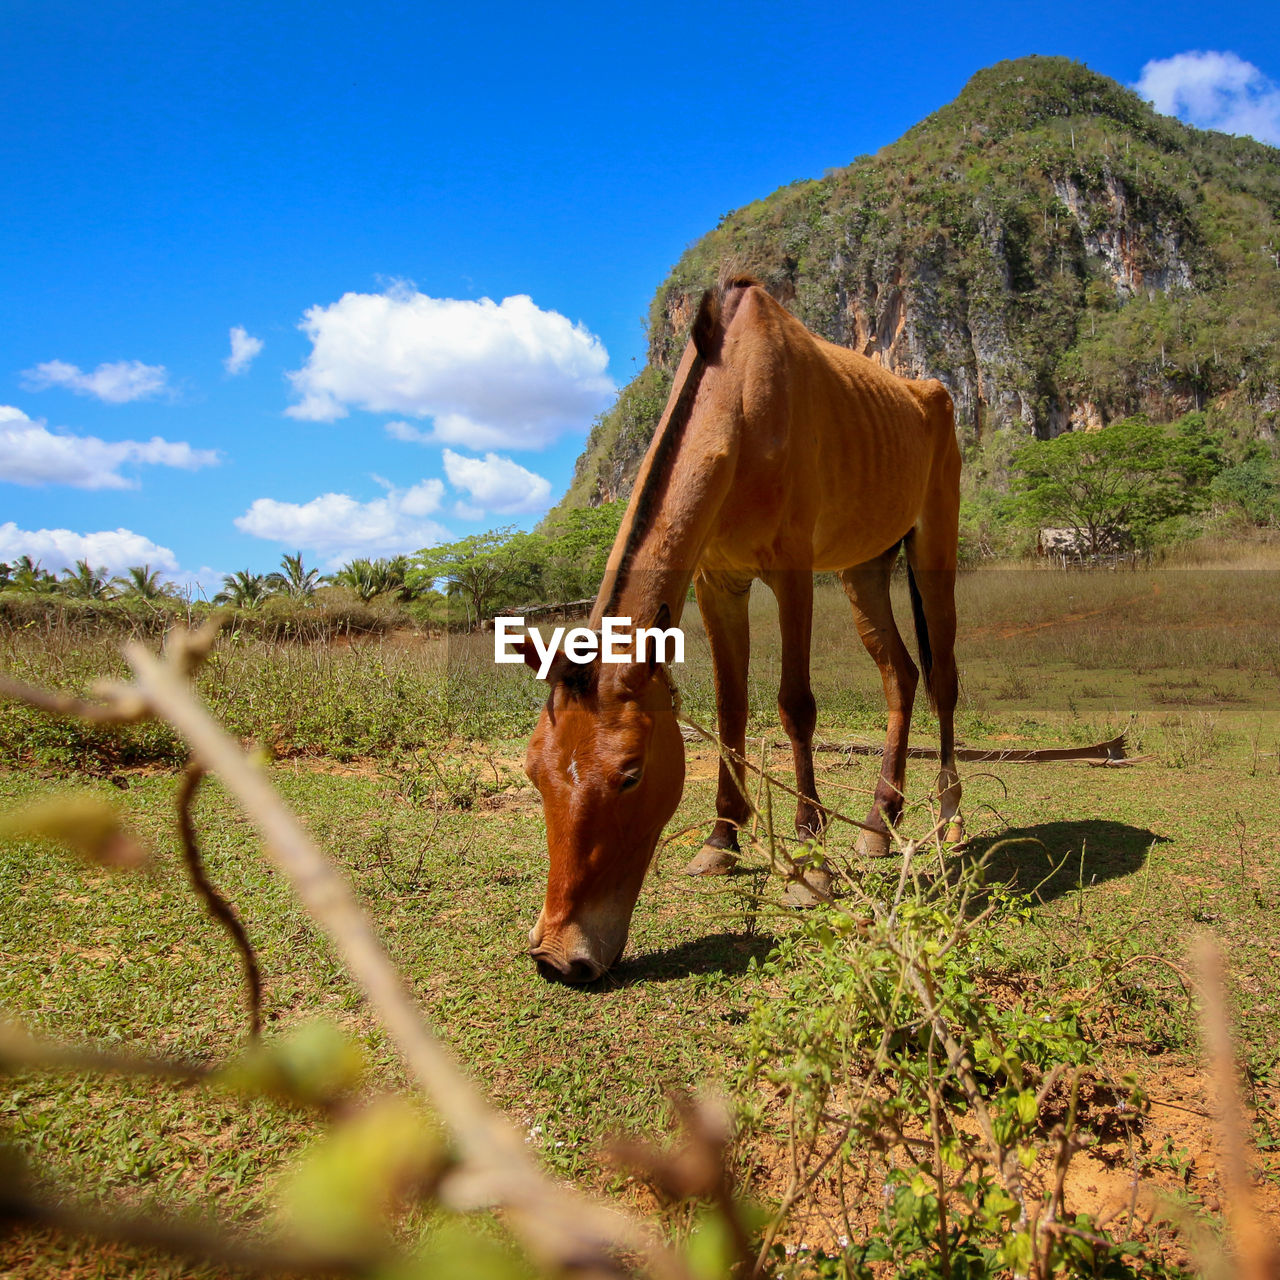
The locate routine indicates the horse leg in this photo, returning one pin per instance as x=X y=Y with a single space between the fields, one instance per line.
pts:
x=796 y=707
x=867 y=586
x=934 y=586
x=723 y=601
x=799 y=714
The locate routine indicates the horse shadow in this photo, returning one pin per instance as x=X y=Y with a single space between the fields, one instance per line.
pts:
x=1052 y=859
x=725 y=953
x=1047 y=860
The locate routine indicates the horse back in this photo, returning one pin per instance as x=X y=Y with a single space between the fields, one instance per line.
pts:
x=834 y=456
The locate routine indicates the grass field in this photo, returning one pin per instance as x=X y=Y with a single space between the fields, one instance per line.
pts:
x=1124 y=866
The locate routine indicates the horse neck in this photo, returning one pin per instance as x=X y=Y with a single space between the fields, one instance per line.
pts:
x=666 y=528
x=658 y=573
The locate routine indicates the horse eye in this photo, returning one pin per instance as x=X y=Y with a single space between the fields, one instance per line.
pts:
x=631 y=780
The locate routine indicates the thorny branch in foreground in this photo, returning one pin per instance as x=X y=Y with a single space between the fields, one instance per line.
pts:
x=1258 y=1253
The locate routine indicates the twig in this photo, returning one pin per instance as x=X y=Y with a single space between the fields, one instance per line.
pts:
x=66 y=704
x=219 y=908
x=18 y=1048
x=199 y=1242
x=737 y=758
x=1258 y=1255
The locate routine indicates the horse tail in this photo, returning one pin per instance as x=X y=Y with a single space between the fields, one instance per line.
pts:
x=922 y=636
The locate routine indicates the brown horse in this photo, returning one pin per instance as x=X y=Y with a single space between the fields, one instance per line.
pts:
x=778 y=454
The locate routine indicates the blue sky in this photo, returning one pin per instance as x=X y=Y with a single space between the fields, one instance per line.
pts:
x=436 y=234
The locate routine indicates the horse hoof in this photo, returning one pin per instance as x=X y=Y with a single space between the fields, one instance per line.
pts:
x=811 y=891
x=873 y=844
x=711 y=861
x=955 y=831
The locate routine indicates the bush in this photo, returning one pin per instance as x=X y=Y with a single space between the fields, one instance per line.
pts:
x=897 y=1042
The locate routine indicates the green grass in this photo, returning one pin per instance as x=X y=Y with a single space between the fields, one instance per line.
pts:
x=1148 y=855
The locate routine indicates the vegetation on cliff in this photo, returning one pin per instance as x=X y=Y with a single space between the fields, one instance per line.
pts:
x=1051 y=248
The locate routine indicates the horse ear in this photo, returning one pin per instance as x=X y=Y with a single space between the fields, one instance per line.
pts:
x=524 y=647
x=661 y=622
x=527 y=650
x=707 y=329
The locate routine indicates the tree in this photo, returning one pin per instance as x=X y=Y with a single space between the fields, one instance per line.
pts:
x=1251 y=487
x=142 y=582
x=27 y=575
x=293 y=579
x=242 y=589
x=371 y=578
x=398 y=568
x=85 y=582
x=362 y=577
x=477 y=568
x=1126 y=477
x=577 y=551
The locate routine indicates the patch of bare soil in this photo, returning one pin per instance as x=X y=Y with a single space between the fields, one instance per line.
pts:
x=1155 y=1177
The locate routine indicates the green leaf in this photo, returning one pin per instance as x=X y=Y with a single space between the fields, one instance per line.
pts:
x=459 y=1250
x=709 y=1252
x=82 y=821
x=1026 y=1106
x=311 y=1066
x=1016 y=1252
x=339 y=1198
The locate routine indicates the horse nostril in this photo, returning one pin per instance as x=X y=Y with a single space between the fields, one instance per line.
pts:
x=575 y=972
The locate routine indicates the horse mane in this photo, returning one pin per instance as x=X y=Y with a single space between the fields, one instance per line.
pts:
x=715 y=311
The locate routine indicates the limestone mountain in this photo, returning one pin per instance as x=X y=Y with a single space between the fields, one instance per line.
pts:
x=1051 y=248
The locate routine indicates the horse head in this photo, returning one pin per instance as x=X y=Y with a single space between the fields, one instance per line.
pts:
x=608 y=759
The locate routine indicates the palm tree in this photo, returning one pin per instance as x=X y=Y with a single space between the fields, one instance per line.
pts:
x=370 y=578
x=142 y=582
x=242 y=589
x=29 y=576
x=295 y=581
x=367 y=578
x=398 y=574
x=85 y=582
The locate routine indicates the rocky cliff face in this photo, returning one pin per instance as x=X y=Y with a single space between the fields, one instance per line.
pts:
x=1053 y=251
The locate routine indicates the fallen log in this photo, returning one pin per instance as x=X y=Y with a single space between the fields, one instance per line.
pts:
x=1111 y=752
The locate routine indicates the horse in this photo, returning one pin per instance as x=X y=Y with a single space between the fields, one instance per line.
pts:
x=778 y=454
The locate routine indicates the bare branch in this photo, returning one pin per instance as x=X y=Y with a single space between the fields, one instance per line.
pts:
x=20 y=1049
x=218 y=907
x=114 y=711
x=1259 y=1255
x=207 y=1243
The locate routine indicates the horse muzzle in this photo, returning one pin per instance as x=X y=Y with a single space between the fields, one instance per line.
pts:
x=567 y=952
x=558 y=968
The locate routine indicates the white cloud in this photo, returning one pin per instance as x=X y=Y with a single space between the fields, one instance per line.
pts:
x=490 y=375
x=1214 y=91
x=57 y=549
x=497 y=484
x=338 y=526
x=116 y=383
x=31 y=454
x=244 y=348
x=408 y=432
